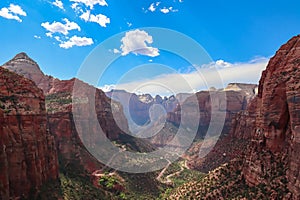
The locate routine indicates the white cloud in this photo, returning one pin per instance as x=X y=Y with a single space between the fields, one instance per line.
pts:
x=16 y=9
x=49 y=34
x=90 y=3
x=137 y=42
x=76 y=8
x=58 y=27
x=107 y=88
x=76 y=41
x=156 y=6
x=12 y=12
x=37 y=37
x=164 y=10
x=153 y=6
x=100 y=19
x=85 y=15
x=129 y=24
x=59 y=4
x=167 y=10
x=57 y=38
x=116 y=51
x=248 y=72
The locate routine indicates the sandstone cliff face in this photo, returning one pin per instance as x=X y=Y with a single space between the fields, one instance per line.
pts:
x=62 y=125
x=28 y=153
x=269 y=168
x=234 y=102
x=275 y=141
x=230 y=146
x=60 y=117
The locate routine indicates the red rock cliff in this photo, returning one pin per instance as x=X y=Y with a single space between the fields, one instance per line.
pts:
x=59 y=108
x=60 y=117
x=28 y=156
x=275 y=140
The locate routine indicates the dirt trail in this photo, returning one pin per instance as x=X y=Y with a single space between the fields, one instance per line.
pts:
x=167 y=180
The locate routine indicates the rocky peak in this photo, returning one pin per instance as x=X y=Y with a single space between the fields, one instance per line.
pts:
x=23 y=65
x=21 y=58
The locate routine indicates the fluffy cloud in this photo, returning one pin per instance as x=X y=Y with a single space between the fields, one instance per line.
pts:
x=167 y=10
x=100 y=19
x=153 y=6
x=62 y=30
x=58 y=27
x=76 y=41
x=13 y=12
x=248 y=72
x=137 y=42
x=59 y=4
x=89 y=3
x=107 y=88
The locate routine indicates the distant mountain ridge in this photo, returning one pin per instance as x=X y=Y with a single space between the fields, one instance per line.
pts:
x=137 y=107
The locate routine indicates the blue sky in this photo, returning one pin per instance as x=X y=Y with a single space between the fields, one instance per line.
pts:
x=60 y=34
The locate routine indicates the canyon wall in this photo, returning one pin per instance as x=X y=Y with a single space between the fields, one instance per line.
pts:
x=275 y=143
x=28 y=153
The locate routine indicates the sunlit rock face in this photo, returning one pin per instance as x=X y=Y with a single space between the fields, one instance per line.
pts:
x=275 y=140
x=28 y=155
x=59 y=107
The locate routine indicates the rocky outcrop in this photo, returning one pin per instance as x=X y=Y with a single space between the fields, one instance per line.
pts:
x=270 y=167
x=275 y=145
x=229 y=146
x=28 y=156
x=72 y=152
x=23 y=65
x=229 y=102
x=62 y=125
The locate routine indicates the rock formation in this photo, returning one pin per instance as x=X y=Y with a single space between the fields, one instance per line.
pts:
x=58 y=94
x=270 y=167
x=22 y=64
x=275 y=145
x=137 y=107
x=28 y=153
x=234 y=101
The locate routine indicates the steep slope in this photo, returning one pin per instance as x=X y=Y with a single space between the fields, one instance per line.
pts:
x=22 y=64
x=270 y=168
x=228 y=147
x=28 y=154
x=77 y=165
x=277 y=124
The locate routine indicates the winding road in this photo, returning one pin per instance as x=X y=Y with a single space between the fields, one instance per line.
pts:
x=167 y=180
